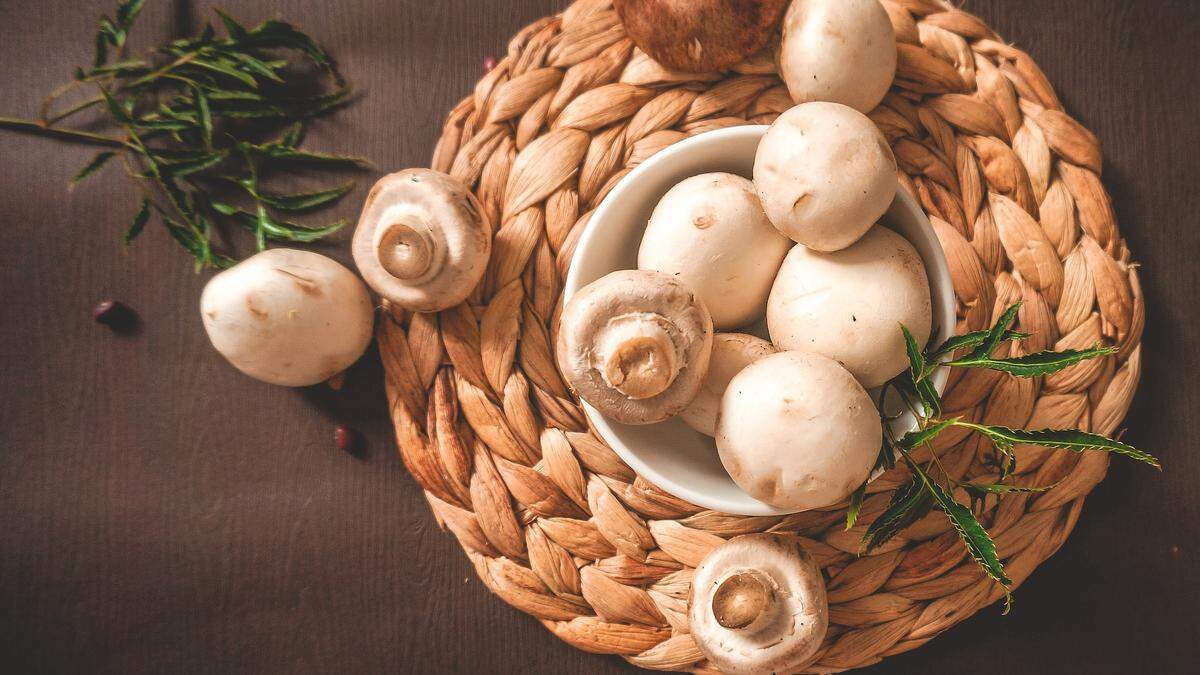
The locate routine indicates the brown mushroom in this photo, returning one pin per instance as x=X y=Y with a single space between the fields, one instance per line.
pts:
x=423 y=240
x=700 y=36
x=758 y=605
x=635 y=344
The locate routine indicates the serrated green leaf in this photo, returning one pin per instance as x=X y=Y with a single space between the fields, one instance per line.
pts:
x=916 y=360
x=856 y=502
x=996 y=335
x=305 y=201
x=139 y=222
x=968 y=341
x=1033 y=365
x=909 y=503
x=1004 y=488
x=977 y=540
x=913 y=439
x=93 y=166
x=1062 y=439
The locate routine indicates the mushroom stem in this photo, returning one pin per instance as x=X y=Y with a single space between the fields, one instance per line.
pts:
x=741 y=599
x=636 y=355
x=406 y=248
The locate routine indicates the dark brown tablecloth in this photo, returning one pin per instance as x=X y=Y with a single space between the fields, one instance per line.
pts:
x=161 y=512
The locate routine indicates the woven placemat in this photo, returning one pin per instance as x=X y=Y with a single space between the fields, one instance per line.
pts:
x=559 y=527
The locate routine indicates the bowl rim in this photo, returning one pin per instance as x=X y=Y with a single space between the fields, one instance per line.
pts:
x=571 y=285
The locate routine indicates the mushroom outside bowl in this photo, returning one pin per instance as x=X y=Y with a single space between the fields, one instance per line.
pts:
x=670 y=454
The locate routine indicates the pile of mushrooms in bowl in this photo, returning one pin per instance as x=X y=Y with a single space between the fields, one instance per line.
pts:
x=735 y=305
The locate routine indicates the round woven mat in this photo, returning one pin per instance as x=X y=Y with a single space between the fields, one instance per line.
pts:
x=559 y=527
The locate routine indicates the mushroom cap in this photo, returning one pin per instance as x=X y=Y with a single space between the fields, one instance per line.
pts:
x=731 y=352
x=710 y=232
x=848 y=305
x=635 y=344
x=288 y=317
x=797 y=431
x=758 y=605
x=825 y=174
x=700 y=36
x=838 y=50
x=423 y=240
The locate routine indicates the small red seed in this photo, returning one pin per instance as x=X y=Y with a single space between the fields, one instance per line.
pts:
x=489 y=64
x=345 y=438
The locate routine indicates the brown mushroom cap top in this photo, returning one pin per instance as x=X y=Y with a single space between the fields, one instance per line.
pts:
x=700 y=36
x=422 y=241
x=635 y=344
x=758 y=605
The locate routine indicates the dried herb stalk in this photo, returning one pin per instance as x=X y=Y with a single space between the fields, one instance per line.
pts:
x=199 y=122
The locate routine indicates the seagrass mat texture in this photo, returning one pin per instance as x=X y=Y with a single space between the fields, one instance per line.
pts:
x=559 y=527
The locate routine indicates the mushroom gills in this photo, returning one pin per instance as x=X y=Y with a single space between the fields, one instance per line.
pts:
x=636 y=354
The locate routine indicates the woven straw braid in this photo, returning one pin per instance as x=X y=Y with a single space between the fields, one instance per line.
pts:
x=559 y=527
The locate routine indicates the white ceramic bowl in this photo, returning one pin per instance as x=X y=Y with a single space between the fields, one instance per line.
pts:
x=670 y=454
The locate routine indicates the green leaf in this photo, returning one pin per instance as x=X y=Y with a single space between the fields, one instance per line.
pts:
x=139 y=222
x=305 y=201
x=910 y=502
x=914 y=439
x=856 y=502
x=127 y=12
x=887 y=454
x=1062 y=439
x=204 y=115
x=1003 y=488
x=101 y=50
x=979 y=543
x=235 y=29
x=292 y=135
x=275 y=151
x=278 y=34
x=968 y=341
x=115 y=108
x=257 y=66
x=262 y=224
x=187 y=167
x=93 y=166
x=996 y=335
x=1033 y=365
x=225 y=67
x=916 y=360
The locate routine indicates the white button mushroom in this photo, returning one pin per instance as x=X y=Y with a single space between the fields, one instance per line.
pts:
x=288 y=317
x=758 y=605
x=825 y=174
x=849 y=305
x=423 y=240
x=700 y=36
x=635 y=344
x=838 y=50
x=797 y=431
x=731 y=352
x=711 y=233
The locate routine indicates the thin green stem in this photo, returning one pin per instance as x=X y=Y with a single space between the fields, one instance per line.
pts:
x=34 y=127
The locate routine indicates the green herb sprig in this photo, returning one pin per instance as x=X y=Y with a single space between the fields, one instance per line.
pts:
x=931 y=487
x=200 y=122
